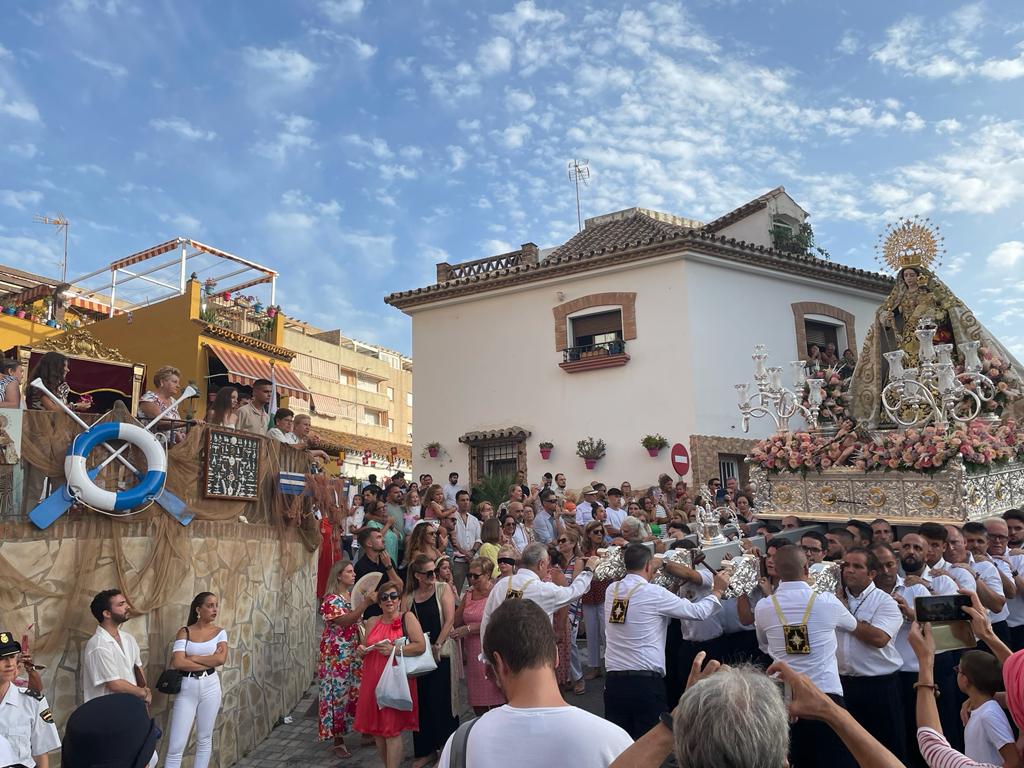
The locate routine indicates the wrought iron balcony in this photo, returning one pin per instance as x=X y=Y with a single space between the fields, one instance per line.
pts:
x=607 y=354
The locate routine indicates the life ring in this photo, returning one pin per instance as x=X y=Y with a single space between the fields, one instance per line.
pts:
x=85 y=490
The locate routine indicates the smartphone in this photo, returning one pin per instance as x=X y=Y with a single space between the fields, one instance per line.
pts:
x=951 y=626
x=942 y=608
x=720 y=496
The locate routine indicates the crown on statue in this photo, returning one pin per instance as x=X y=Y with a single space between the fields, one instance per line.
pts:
x=913 y=242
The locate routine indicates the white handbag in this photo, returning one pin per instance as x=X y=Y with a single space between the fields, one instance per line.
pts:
x=421 y=664
x=393 y=687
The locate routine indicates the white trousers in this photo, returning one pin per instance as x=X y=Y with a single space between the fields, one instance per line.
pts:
x=199 y=699
x=593 y=615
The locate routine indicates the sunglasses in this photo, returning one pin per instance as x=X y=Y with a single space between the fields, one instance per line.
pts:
x=472 y=576
x=388 y=596
x=429 y=574
x=506 y=561
x=563 y=541
x=812 y=550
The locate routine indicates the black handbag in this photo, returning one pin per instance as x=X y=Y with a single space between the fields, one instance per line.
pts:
x=169 y=682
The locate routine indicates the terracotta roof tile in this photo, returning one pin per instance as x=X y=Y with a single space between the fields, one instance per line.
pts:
x=638 y=229
x=744 y=210
x=494 y=434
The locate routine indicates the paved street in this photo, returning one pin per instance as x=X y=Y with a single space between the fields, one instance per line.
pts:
x=295 y=743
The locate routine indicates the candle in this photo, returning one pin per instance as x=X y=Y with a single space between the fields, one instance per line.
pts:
x=944 y=352
x=924 y=339
x=946 y=380
x=741 y=391
x=895 y=360
x=971 y=360
x=759 y=357
x=799 y=373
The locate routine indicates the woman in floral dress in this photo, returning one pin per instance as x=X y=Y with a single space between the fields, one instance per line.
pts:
x=340 y=667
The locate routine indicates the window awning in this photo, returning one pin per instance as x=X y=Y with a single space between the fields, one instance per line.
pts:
x=245 y=369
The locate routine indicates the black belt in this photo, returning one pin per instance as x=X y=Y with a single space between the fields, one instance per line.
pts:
x=204 y=673
x=633 y=673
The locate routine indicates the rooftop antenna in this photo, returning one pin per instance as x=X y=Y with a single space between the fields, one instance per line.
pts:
x=60 y=222
x=579 y=171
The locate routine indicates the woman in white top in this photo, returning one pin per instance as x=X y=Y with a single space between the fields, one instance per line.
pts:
x=199 y=648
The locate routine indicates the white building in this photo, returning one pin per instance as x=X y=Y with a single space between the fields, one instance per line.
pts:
x=642 y=323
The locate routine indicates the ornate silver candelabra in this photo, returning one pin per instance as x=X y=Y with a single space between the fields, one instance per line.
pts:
x=773 y=399
x=933 y=392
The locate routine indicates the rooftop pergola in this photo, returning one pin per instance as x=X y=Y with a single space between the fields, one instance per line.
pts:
x=162 y=272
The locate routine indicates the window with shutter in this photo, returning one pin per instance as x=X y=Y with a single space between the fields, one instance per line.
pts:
x=597 y=328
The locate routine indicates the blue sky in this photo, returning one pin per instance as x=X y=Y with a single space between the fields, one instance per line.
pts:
x=351 y=144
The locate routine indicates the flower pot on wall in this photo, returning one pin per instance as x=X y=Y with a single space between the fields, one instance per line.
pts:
x=653 y=452
x=591 y=463
x=545 y=453
x=20 y=313
x=433 y=452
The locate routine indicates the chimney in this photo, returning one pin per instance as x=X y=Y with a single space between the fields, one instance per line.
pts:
x=530 y=253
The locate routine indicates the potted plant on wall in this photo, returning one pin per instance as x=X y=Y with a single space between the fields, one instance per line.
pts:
x=432 y=450
x=590 y=450
x=545 y=450
x=653 y=444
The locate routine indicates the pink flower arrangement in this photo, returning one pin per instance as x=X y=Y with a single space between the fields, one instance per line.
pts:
x=833 y=403
x=925 y=449
x=1007 y=387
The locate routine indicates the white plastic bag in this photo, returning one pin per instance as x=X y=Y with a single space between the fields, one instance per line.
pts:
x=393 y=687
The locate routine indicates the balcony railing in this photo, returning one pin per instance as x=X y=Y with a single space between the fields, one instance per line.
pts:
x=239 y=318
x=588 y=351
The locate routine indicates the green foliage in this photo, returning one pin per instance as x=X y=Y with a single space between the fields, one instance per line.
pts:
x=799 y=243
x=654 y=441
x=591 y=448
x=493 y=489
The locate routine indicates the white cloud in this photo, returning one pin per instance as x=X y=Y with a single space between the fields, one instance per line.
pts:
x=292 y=139
x=183 y=128
x=519 y=101
x=363 y=51
x=495 y=247
x=98 y=170
x=949 y=125
x=912 y=122
x=848 y=44
x=373 y=145
x=26 y=151
x=411 y=152
x=514 y=136
x=111 y=68
x=287 y=67
x=20 y=199
x=458 y=157
x=1003 y=69
x=31 y=254
x=955 y=265
x=527 y=13
x=391 y=172
x=341 y=11
x=494 y=56
x=183 y=223
x=1006 y=255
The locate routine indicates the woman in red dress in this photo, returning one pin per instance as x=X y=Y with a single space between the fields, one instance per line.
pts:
x=386 y=725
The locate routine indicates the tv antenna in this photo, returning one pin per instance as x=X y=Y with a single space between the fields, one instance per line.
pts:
x=60 y=222
x=579 y=171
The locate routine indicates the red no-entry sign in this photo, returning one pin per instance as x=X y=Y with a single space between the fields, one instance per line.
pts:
x=680 y=459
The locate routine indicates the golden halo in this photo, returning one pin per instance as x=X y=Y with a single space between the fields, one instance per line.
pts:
x=913 y=242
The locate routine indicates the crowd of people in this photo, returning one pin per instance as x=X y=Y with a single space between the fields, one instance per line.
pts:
x=845 y=677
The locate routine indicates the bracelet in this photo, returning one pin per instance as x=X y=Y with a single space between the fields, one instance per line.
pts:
x=933 y=686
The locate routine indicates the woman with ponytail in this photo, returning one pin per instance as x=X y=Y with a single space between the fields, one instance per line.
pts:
x=199 y=648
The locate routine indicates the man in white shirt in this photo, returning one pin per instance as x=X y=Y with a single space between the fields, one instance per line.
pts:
x=514 y=513
x=971 y=547
x=637 y=614
x=869 y=662
x=616 y=513
x=936 y=537
x=111 y=662
x=536 y=725
x=559 y=488
x=467 y=538
x=544 y=516
x=1014 y=520
x=695 y=636
x=798 y=626
x=528 y=584
x=585 y=508
x=451 y=490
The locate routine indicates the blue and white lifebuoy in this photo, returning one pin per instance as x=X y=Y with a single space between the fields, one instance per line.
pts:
x=85 y=490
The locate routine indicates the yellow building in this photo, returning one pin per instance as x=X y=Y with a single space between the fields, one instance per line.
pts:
x=361 y=397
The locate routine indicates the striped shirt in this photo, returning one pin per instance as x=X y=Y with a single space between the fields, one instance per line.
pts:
x=938 y=754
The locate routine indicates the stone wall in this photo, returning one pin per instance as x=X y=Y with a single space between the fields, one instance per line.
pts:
x=705 y=451
x=264 y=577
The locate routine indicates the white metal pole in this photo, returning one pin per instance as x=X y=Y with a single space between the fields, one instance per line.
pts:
x=113 y=290
x=184 y=259
x=273 y=290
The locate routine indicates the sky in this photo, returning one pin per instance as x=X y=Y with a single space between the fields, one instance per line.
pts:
x=353 y=144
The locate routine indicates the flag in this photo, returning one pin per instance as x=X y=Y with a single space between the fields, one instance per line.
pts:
x=273 y=396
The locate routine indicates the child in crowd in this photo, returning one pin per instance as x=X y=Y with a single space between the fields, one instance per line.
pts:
x=987 y=736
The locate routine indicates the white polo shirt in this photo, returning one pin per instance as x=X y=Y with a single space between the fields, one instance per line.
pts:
x=988 y=573
x=467 y=533
x=1002 y=566
x=584 y=513
x=958 y=573
x=615 y=517
x=547 y=595
x=910 y=594
x=827 y=615
x=104 y=660
x=639 y=643
x=1016 y=605
x=709 y=628
x=858 y=659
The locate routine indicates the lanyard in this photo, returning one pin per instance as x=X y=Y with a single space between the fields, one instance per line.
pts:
x=807 y=612
x=517 y=594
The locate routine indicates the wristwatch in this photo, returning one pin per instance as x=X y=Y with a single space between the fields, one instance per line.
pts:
x=665 y=718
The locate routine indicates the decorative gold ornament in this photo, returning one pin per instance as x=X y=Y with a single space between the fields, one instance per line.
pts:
x=930 y=498
x=876 y=497
x=80 y=343
x=913 y=242
x=828 y=495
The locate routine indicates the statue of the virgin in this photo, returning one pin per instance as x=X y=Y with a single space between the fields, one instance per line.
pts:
x=909 y=249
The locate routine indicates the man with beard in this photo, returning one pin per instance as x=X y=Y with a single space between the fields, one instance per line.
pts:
x=1014 y=520
x=839 y=540
x=905 y=592
x=111 y=660
x=923 y=563
x=881 y=531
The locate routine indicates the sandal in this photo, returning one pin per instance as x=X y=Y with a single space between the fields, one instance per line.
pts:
x=580 y=688
x=342 y=751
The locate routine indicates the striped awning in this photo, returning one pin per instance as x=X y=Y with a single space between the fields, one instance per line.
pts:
x=92 y=306
x=245 y=369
